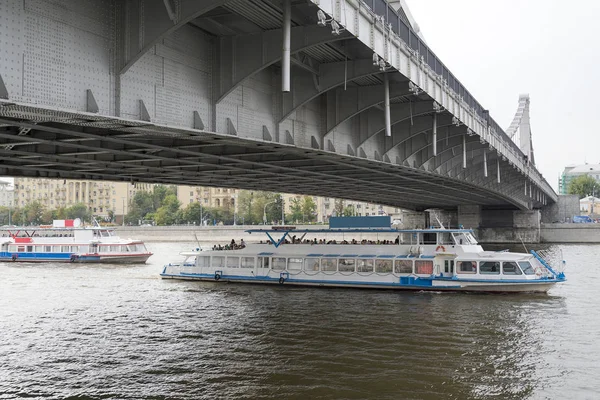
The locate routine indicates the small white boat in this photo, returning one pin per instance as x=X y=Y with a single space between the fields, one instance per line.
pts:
x=436 y=259
x=66 y=241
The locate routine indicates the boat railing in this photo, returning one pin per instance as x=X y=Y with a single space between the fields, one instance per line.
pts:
x=553 y=262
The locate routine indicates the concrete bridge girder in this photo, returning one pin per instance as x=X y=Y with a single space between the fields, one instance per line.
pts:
x=452 y=161
x=261 y=50
x=344 y=104
x=371 y=121
x=146 y=22
x=474 y=173
x=331 y=75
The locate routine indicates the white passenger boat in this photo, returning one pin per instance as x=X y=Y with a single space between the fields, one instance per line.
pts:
x=66 y=241
x=436 y=259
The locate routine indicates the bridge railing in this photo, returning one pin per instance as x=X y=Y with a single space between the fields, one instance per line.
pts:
x=400 y=25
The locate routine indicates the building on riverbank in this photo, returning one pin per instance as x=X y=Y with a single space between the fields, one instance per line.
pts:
x=100 y=197
x=573 y=171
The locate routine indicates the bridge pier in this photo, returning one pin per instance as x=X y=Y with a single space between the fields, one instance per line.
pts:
x=563 y=210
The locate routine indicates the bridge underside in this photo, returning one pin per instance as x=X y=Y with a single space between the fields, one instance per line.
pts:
x=80 y=146
x=191 y=93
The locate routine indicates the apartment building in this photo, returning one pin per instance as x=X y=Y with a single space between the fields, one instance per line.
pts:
x=207 y=196
x=99 y=196
x=7 y=194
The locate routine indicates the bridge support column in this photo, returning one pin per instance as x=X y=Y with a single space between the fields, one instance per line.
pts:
x=509 y=226
x=287 y=38
x=386 y=105
x=469 y=216
x=563 y=210
x=413 y=220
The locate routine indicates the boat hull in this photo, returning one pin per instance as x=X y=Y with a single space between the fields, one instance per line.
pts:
x=414 y=284
x=114 y=259
x=75 y=258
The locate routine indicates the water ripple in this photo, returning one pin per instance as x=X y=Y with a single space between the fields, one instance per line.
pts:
x=104 y=332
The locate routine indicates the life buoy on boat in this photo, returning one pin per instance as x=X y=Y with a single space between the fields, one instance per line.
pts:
x=14 y=257
x=440 y=248
x=281 y=280
x=217 y=277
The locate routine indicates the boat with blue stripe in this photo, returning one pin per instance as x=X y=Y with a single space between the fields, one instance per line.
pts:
x=67 y=241
x=373 y=255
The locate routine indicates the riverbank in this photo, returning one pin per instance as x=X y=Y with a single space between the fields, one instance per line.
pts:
x=548 y=233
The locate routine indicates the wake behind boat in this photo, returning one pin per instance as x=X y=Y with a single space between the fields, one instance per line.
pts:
x=67 y=241
x=435 y=259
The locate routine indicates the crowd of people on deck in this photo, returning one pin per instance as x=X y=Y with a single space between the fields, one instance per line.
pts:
x=294 y=240
x=231 y=246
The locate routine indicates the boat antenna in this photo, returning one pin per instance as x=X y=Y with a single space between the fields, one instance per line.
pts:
x=523 y=243
x=197 y=241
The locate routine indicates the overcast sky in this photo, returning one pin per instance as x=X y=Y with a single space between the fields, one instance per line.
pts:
x=550 y=49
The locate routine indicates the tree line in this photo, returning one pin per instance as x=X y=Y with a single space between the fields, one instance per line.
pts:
x=161 y=207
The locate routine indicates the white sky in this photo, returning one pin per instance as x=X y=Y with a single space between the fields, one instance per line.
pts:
x=550 y=49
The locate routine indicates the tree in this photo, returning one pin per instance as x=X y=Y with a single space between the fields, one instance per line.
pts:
x=159 y=193
x=273 y=210
x=295 y=209
x=194 y=213
x=349 y=211
x=583 y=186
x=33 y=212
x=80 y=211
x=309 y=209
x=169 y=213
x=338 y=207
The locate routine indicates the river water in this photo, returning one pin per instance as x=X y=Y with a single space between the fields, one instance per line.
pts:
x=103 y=331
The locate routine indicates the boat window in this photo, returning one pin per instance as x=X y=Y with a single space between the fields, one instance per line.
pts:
x=511 y=268
x=429 y=238
x=247 y=262
x=445 y=238
x=449 y=266
x=404 y=267
x=294 y=264
x=124 y=249
x=114 y=249
x=311 y=264
x=218 y=261
x=29 y=249
x=347 y=265
x=423 y=267
x=64 y=249
x=47 y=249
x=278 y=263
x=74 y=249
x=526 y=267
x=489 y=268
x=265 y=262
x=22 y=249
x=39 y=249
x=365 y=265
x=383 y=266
x=466 y=267
x=233 y=262
x=203 y=261
x=329 y=264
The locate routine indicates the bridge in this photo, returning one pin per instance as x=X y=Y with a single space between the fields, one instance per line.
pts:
x=338 y=98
